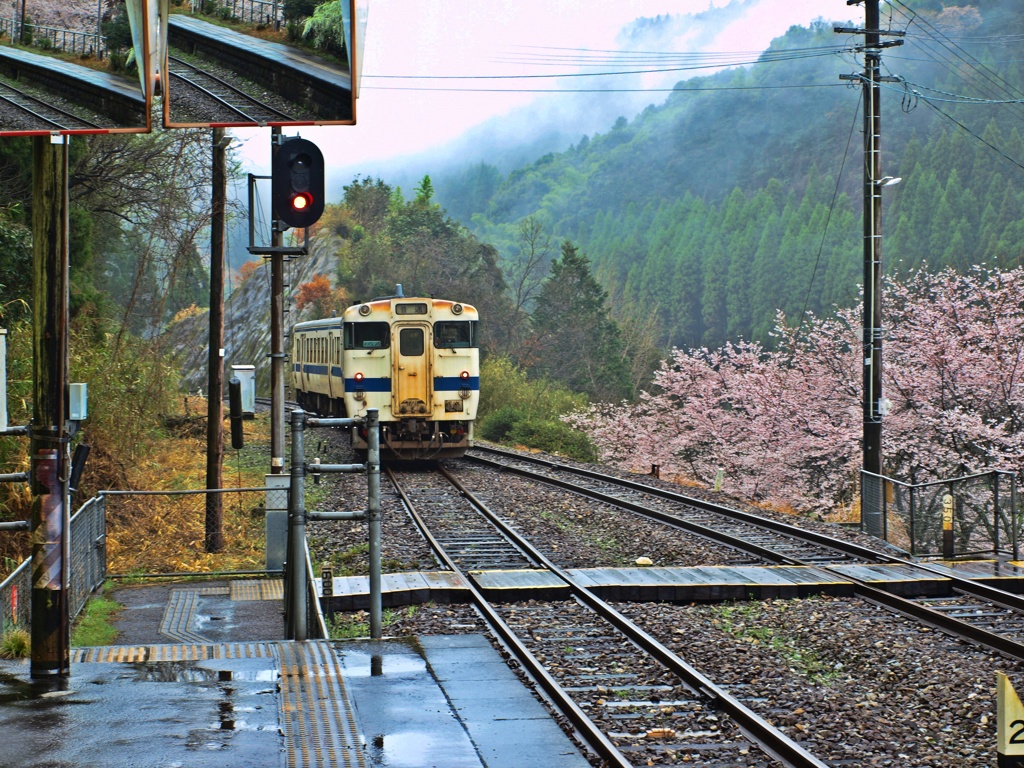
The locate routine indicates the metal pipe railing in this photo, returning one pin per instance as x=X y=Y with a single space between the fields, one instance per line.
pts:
x=299 y=577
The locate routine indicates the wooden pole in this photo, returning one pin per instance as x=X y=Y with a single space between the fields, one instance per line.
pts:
x=49 y=447
x=215 y=371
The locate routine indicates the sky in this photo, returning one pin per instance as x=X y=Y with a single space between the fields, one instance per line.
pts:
x=455 y=38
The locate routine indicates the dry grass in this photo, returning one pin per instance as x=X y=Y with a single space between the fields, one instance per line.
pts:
x=162 y=534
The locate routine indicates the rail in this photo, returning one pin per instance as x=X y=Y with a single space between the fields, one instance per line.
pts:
x=770 y=739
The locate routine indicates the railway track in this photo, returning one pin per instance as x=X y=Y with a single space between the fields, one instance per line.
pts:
x=248 y=108
x=972 y=611
x=50 y=117
x=628 y=697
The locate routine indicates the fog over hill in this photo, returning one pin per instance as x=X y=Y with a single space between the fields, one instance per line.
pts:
x=580 y=105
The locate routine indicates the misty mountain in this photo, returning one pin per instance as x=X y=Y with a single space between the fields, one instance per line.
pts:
x=582 y=106
x=740 y=194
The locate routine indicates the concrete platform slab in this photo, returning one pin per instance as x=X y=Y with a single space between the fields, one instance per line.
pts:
x=494 y=720
x=445 y=701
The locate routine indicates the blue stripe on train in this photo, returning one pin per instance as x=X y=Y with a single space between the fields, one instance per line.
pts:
x=368 y=385
x=455 y=383
x=441 y=383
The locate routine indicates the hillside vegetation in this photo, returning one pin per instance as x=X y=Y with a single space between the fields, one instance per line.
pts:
x=741 y=193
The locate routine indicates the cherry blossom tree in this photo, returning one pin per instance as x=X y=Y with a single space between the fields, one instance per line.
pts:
x=785 y=425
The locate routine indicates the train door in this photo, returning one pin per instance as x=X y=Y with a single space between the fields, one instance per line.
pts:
x=412 y=376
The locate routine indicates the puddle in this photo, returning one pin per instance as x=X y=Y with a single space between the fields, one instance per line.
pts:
x=411 y=749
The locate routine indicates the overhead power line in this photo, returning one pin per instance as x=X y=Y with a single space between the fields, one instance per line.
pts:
x=644 y=66
x=441 y=89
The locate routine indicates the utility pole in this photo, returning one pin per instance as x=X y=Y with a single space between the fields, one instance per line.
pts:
x=50 y=442
x=215 y=369
x=873 y=332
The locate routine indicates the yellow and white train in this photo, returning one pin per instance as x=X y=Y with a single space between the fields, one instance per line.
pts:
x=416 y=360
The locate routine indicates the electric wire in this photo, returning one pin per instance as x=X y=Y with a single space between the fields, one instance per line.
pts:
x=691 y=62
x=958 y=62
x=602 y=90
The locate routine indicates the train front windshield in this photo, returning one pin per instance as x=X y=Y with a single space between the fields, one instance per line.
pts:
x=452 y=334
x=367 y=335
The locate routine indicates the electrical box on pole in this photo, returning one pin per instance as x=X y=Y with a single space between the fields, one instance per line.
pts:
x=297 y=183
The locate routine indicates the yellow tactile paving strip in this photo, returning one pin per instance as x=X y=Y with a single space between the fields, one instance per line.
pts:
x=257 y=589
x=316 y=715
x=134 y=654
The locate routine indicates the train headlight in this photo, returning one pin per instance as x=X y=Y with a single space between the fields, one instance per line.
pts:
x=359 y=394
x=364 y=310
x=456 y=309
x=464 y=393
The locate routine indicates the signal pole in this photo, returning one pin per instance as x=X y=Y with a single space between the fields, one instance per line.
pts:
x=873 y=332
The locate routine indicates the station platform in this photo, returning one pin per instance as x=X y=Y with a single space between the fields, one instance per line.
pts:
x=217 y=696
x=653 y=583
x=118 y=98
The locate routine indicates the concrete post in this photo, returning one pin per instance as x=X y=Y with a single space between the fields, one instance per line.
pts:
x=296 y=582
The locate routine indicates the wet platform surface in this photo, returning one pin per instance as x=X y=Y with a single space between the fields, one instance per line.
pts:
x=220 y=697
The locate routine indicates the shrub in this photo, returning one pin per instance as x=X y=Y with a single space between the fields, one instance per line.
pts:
x=553 y=437
x=16 y=643
x=499 y=425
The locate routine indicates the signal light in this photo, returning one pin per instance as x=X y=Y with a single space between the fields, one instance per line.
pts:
x=297 y=183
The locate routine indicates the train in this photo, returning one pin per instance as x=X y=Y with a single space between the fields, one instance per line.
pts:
x=415 y=359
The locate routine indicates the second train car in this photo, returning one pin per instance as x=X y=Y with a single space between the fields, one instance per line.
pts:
x=416 y=360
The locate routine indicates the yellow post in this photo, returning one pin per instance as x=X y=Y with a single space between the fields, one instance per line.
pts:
x=947 y=526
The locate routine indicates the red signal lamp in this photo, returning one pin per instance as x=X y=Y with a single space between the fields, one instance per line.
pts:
x=302 y=201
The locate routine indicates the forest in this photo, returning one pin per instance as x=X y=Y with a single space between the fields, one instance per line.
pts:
x=714 y=236
x=741 y=194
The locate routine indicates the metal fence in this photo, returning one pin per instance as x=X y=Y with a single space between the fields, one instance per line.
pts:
x=88 y=567
x=251 y=11
x=151 y=514
x=316 y=625
x=964 y=516
x=55 y=38
x=89 y=554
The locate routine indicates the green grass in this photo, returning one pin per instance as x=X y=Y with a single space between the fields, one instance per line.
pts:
x=15 y=643
x=93 y=626
x=352 y=625
x=743 y=621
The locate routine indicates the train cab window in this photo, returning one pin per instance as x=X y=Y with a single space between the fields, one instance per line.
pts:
x=410 y=342
x=453 y=334
x=367 y=335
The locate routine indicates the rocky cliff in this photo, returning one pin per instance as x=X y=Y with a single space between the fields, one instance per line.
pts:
x=247 y=321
